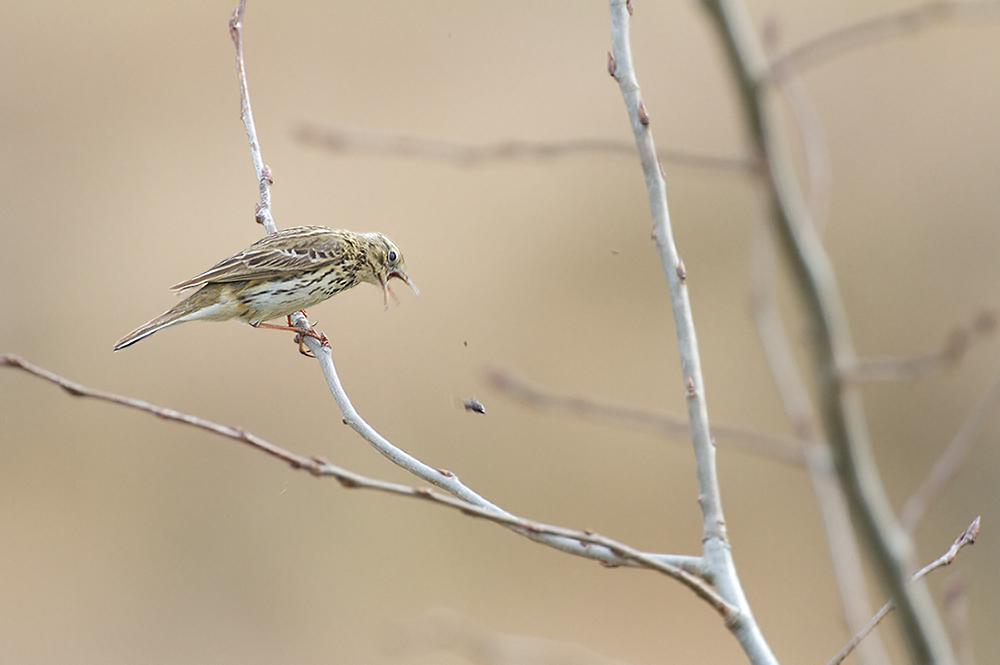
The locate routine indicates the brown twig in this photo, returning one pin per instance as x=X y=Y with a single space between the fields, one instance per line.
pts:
x=622 y=554
x=344 y=139
x=855 y=35
x=264 y=180
x=773 y=446
x=958 y=343
x=967 y=537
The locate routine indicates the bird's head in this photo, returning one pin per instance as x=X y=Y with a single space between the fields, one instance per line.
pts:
x=387 y=262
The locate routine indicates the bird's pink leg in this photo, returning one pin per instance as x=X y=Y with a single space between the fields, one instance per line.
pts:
x=302 y=332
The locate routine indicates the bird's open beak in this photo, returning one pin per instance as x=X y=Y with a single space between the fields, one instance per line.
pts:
x=387 y=291
x=402 y=276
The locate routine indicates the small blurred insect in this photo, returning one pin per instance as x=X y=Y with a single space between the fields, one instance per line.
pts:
x=470 y=404
x=473 y=404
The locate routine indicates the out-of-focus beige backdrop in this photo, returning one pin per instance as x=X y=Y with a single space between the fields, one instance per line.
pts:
x=125 y=169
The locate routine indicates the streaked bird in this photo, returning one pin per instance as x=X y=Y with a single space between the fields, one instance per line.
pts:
x=281 y=274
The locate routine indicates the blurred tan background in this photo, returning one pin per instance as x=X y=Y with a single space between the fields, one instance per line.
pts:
x=125 y=169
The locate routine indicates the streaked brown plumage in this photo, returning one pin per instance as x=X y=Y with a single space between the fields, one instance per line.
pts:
x=281 y=274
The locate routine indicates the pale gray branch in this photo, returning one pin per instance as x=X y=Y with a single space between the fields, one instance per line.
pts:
x=841 y=408
x=263 y=211
x=779 y=447
x=834 y=510
x=476 y=643
x=716 y=553
x=956 y=602
x=958 y=343
x=353 y=139
x=856 y=35
x=810 y=129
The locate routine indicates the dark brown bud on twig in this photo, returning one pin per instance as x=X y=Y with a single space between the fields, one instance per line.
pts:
x=612 y=65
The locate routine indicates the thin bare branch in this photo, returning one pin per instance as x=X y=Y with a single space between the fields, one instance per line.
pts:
x=952 y=459
x=842 y=544
x=716 y=552
x=810 y=129
x=474 y=642
x=773 y=446
x=956 y=602
x=351 y=139
x=967 y=537
x=263 y=211
x=587 y=543
x=958 y=343
x=840 y=404
x=867 y=31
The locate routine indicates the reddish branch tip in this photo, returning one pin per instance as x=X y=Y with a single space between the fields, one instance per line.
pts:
x=628 y=6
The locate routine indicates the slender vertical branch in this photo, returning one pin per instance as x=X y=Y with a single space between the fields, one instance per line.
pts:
x=263 y=211
x=833 y=507
x=841 y=408
x=716 y=552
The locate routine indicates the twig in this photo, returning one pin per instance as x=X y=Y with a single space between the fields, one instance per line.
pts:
x=716 y=553
x=587 y=544
x=807 y=123
x=958 y=343
x=952 y=458
x=476 y=643
x=834 y=510
x=840 y=404
x=350 y=139
x=263 y=210
x=967 y=537
x=855 y=35
x=956 y=602
x=773 y=446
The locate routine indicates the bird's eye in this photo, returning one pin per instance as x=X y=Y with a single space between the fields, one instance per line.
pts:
x=392 y=257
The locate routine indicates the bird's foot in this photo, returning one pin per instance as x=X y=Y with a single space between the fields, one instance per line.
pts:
x=300 y=334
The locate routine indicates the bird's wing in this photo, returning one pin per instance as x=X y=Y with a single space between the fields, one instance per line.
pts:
x=289 y=251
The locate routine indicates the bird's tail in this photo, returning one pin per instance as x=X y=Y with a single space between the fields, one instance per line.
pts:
x=179 y=314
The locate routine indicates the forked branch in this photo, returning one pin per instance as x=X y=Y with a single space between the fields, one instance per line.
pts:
x=583 y=543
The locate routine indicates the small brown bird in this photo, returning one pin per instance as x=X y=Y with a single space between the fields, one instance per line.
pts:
x=281 y=274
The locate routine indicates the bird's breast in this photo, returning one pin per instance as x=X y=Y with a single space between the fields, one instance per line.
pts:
x=273 y=298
